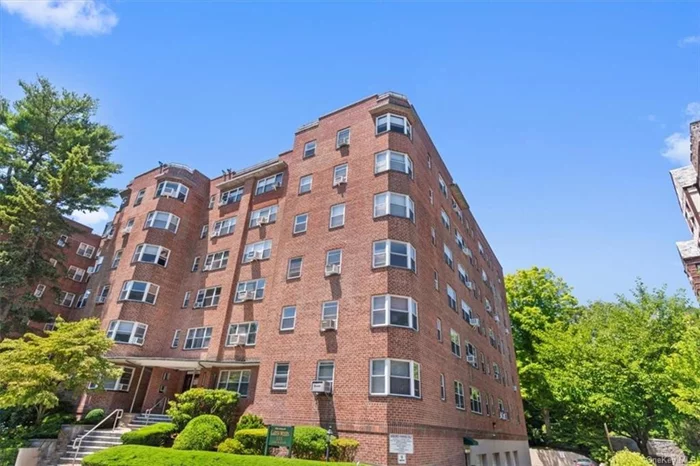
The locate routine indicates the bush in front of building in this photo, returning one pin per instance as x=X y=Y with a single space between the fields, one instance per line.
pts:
x=250 y=421
x=203 y=433
x=198 y=401
x=155 y=435
x=94 y=416
x=309 y=442
x=344 y=449
x=232 y=446
x=251 y=440
x=629 y=458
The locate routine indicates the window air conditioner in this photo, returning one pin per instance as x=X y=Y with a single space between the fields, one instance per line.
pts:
x=338 y=180
x=263 y=220
x=474 y=321
x=329 y=324
x=471 y=359
x=238 y=340
x=332 y=269
x=344 y=142
x=321 y=386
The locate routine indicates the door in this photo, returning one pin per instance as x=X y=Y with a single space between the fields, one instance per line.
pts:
x=191 y=380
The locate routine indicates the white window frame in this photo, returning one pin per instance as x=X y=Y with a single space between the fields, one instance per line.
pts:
x=161 y=253
x=296 y=275
x=117 y=258
x=249 y=329
x=116 y=385
x=39 y=290
x=270 y=212
x=413 y=370
x=383 y=203
x=475 y=400
x=231 y=196
x=304 y=181
x=102 y=297
x=383 y=258
x=64 y=296
x=293 y=318
x=309 y=149
x=259 y=288
x=333 y=252
x=297 y=223
x=339 y=136
x=83 y=299
x=180 y=190
x=445 y=219
x=438 y=326
x=406 y=127
x=384 y=165
x=448 y=256
x=330 y=310
x=451 y=297
x=172 y=222
x=87 y=250
x=139 y=197
x=263 y=249
x=382 y=305
x=186 y=300
x=243 y=377
x=442 y=185
x=151 y=289
x=340 y=171
x=192 y=337
x=335 y=214
x=270 y=183
x=325 y=363
x=466 y=311
x=176 y=339
x=459 y=395
x=443 y=389
x=195 y=264
x=207 y=297
x=223 y=227
x=113 y=329
x=456 y=344
x=285 y=376
x=463 y=275
x=76 y=273
x=219 y=257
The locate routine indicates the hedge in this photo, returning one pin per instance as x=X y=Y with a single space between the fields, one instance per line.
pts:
x=155 y=435
x=344 y=449
x=252 y=441
x=197 y=401
x=201 y=433
x=250 y=421
x=309 y=443
x=138 y=455
x=94 y=416
x=628 y=458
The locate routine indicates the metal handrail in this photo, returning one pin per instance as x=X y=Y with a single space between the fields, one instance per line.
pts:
x=149 y=411
x=78 y=441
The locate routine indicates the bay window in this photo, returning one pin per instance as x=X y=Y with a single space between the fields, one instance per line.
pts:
x=398 y=311
x=394 y=377
x=124 y=331
x=162 y=220
x=390 y=253
x=398 y=205
x=394 y=161
x=394 y=123
x=172 y=189
x=152 y=254
x=139 y=291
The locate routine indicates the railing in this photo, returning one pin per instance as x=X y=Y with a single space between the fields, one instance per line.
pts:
x=163 y=400
x=77 y=443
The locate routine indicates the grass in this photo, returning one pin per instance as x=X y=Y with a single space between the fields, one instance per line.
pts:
x=138 y=455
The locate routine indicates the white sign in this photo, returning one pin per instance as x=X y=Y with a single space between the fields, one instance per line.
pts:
x=401 y=443
x=402 y=458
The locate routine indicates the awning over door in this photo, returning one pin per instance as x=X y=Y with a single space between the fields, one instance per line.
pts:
x=470 y=441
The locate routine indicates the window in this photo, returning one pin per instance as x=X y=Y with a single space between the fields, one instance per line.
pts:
x=398 y=205
x=85 y=250
x=445 y=219
x=198 y=338
x=289 y=315
x=176 y=339
x=257 y=251
x=49 y=326
x=342 y=138
x=502 y=409
x=39 y=291
x=172 y=189
x=300 y=223
x=280 y=379
x=466 y=311
x=53 y=262
x=249 y=330
x=451 y=298
x=76 y=273
x=204 y=231
x=487 y=305
x=129 y=226
x=447 y=254
x=481 y=248
x=216 y=260
x=310 y=149
x=432 y=236
x=195 y=264
x=443 y=186
x=120 y=384
x=334 y=259
x=398 y=311
x=102 y=297
x=231 y=196
x=443 y=391
x=475 y=397
x=463 y=277
x=329 y=310
x=456 y=345
x=471 y=354
x=271 y=183
x=394 y=161
x=484 y=277
x=394 y=254
x=117 y=258
x=139 y=197
x=208 y=297
x=162 y=220
x=108 y=232
x=124 y=203
x=124 y=331
x=325 y=371
x=63 y=240
x=394 y=377
x=439 y=329
x=305 y=183
x=66 y=299
x=496 y=371
x=237 y=381
x=250 y=290
x=430 y=161
x=459 y=395
x=212 y=200
x=83 y=299
x=430 y=196
x=394 y=123
x=139 y=291
x=337 y=216
x=186 y=300
x=152 y=254
x=459 y=240
x=436 y=280
x=223 y=227
x=340 y=174
x=294 y=268
x=262 y=216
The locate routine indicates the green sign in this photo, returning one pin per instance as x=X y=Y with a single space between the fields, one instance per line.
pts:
x=280 y=436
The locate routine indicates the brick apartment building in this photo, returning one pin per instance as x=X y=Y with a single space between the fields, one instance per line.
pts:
x=350 y=264
x=685 y=182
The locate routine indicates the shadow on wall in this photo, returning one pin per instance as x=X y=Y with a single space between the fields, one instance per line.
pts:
x=547 y=457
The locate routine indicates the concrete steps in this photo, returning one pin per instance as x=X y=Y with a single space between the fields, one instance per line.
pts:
x=142 y=420
x=96 y=441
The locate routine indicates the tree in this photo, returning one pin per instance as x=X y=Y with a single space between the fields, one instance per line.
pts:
x=199 y=401
x=36 y=370
x=54 y=160
x=684 y=370
x=608 y=365
x=536 y=299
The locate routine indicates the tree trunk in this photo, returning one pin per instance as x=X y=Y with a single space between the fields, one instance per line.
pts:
x=40 y=412
x=547 y=424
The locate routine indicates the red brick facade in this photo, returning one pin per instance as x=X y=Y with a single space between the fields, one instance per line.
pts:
x=438 y=426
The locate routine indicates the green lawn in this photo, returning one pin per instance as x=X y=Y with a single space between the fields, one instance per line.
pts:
x=138 y=455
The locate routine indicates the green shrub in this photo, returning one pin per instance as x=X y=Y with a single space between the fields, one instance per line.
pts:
x=309 y=443
x=250 y=421
x=628 y=458
x=199 y=401
x=231 y=445
x=344 y=449
x=94 y=416
x=252 y=440
x=201 y=433
x=138 y=455
x=51 y=425
x=155 y=435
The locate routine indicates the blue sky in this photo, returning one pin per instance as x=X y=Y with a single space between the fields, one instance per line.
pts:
x=553 y=118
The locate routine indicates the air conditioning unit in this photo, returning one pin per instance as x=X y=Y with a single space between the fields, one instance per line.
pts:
x=257 y=255
x=471 y=359
x=497 y=376
x=214 y=234
x=497 y=319
x=91 y=270
x=321 y=386
x=474 y=321
x=344 y=142
x=198 y=305
x=238 y=340
x=338 y=180
x=263 y=220
x=329 y=324
x=127 y=230
x=504 y=416
x=206 y=268
x=100 y=299
x=333 y=269
x=168 y=193
x=277 y=186
x=515 y=388
x=246 y=295
x=507 y=332
x=470 y=284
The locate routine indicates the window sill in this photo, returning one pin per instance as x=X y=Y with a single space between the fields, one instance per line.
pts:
x=394 y=394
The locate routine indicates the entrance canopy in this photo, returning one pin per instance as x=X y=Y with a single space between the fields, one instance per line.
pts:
x=180 y=363
x=470 y=441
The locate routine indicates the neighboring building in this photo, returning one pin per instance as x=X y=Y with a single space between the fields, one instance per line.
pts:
x=71 y=289
x=351 y=264
x=685 y=182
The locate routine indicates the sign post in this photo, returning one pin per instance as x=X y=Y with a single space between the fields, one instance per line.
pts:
x=280 y=436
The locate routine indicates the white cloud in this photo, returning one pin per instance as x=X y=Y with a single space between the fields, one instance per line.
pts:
x=81 y=17
x=693 y=111
x=90 y=218
x=677 y=148
x=690 y=40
